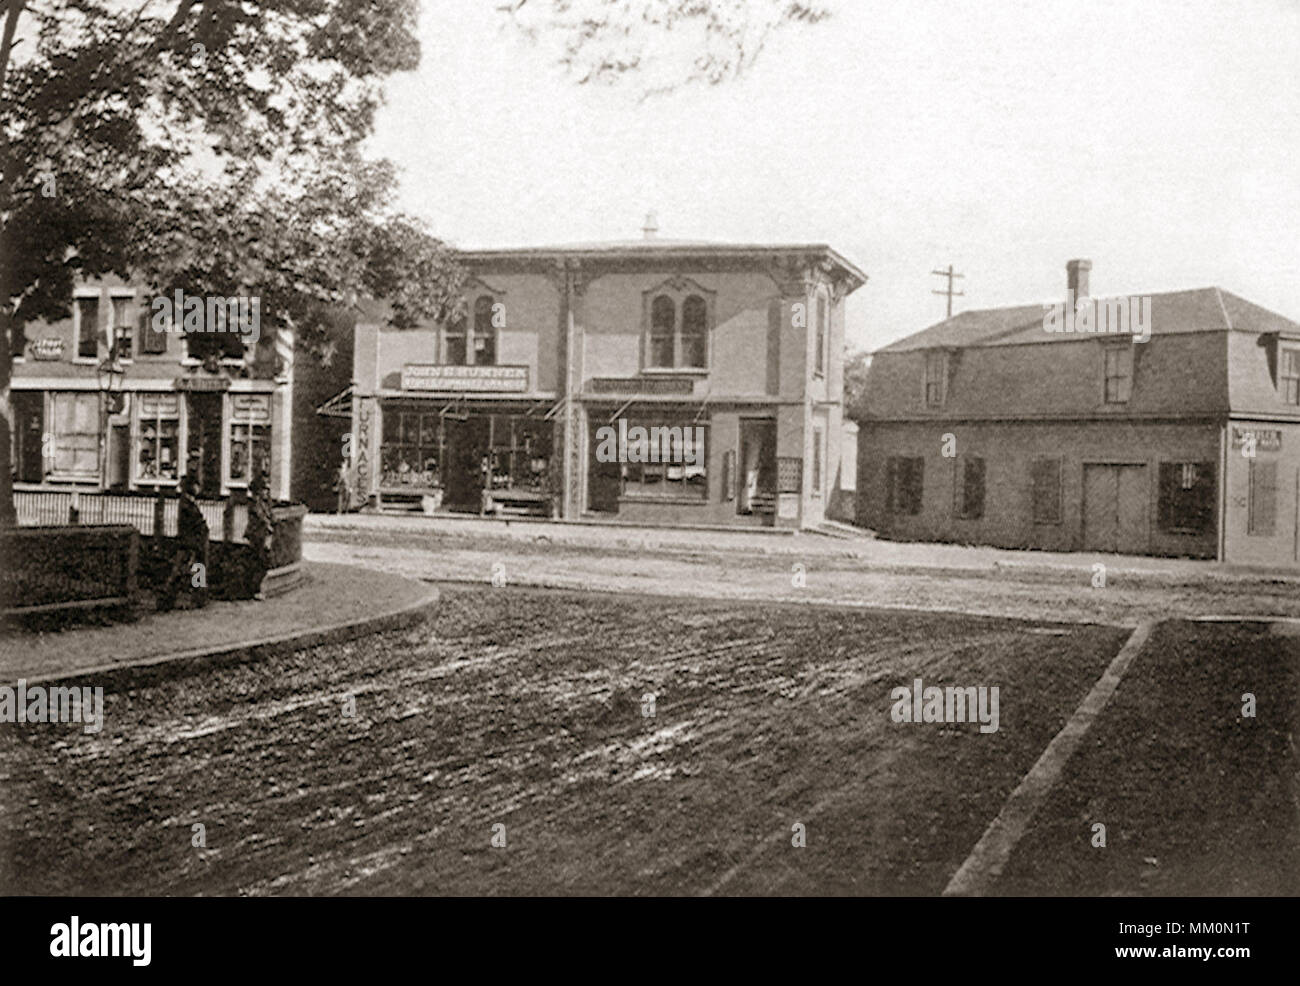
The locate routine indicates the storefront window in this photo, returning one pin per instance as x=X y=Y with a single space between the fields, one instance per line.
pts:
x=250 y=435
x=665 y=458
x=157 y=448
x=520 y=452
x=74 y=436
x=412 y=449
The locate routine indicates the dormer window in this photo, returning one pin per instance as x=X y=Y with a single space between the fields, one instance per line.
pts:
x=1119 y=374
x=679 y=317
x=1288 y=382
x=936 y=378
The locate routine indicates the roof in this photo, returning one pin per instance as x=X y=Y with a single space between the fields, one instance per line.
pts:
x=1196 y=310
x=655 y=248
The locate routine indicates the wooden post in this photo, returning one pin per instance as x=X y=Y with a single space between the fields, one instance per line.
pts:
x=228 y=519
x=159 y=514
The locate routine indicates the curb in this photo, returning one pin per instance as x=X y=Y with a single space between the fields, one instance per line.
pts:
x=986 y=861
x=151 y=670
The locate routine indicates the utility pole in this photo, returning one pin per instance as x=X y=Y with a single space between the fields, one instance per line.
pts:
x=949 y=291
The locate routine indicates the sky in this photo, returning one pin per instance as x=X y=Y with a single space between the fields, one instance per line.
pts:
x=1161 y=140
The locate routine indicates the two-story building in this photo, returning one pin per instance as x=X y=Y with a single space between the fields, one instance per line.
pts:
x=737 y=347
x=1012 y=427
x=114 y=398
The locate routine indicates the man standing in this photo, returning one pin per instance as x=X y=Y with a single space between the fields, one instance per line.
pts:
x=258 y=532
x=191 y=558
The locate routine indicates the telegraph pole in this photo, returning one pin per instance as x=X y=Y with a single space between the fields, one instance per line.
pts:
x=949 y=291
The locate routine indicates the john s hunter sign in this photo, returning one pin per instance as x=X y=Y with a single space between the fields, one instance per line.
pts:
x=494 y=379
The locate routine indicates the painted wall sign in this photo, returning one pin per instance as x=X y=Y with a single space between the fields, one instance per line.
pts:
x=202 y=384
x=49 y=348
x=1266 y=439
x=494 y=379
x=642 y=385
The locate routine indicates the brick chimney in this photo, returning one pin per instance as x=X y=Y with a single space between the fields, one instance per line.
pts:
x=1076 y=278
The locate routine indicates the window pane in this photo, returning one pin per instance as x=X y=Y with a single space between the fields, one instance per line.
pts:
x=695 y=331
x=88 y=327
x=663 y=318
x=485 y=343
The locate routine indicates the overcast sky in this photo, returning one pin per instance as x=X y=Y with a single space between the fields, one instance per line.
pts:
x=1159 y=139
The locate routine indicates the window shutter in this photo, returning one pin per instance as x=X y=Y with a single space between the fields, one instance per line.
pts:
x=150 y=339
x=1263 y=497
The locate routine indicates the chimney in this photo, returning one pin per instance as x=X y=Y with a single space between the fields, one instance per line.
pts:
x=651 y=227
x=1076 y=278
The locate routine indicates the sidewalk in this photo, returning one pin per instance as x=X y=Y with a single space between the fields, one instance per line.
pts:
x=903 y=556
x=334 y=602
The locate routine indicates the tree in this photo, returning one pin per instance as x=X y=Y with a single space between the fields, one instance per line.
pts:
x=212 y=147
x=658 y=45
x=856 y=366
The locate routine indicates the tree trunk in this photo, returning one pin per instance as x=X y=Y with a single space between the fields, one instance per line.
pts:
x=8 y=516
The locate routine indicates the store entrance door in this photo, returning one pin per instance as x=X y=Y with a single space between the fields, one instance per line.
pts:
x=466 y=450
x=205 y=442
x=1115 y=508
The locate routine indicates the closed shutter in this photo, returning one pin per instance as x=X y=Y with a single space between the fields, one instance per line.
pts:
x=152 y=341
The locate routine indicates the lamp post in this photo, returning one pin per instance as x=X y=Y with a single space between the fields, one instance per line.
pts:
x=108 y=374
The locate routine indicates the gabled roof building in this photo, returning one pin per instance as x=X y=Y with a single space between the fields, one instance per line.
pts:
x=1172 y=431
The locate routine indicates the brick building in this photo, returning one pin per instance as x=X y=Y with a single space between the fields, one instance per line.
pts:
x=990 y=428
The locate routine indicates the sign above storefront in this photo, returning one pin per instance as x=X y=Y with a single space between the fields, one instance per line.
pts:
x=642 y=385
x=492 y=379
x=1264 y=439
x=202 y=384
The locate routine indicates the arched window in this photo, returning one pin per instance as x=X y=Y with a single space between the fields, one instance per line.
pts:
x=485 y=335
x=663 y=324
x=695 y=331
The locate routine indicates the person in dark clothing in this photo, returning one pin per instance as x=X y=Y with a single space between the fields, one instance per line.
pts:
x=258 y=533
x=191 y=551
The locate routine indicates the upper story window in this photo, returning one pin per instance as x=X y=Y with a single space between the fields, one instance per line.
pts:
x=121 y=332
x=472 y=340
x=85 y=318
x=680 y=317
x=1289 y=375
x=936 y=378
x=1119 y=374
x=819 y=367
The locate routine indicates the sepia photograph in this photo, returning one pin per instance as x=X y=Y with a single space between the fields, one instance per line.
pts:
x=605 y=449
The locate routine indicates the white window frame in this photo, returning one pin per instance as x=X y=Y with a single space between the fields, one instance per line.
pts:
x=78 y=295
x=122 y=294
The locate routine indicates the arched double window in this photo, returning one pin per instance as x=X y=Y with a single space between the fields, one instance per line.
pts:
x=679 y=332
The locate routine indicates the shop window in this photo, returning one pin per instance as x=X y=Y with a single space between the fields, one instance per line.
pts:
x=1187 y=491
x=74 y=435
x=1289 y=376
x=86 y=324
x=970 y=493
x=1119 y=373
x=485 y=333
x=1262 y=503
x=936 y=378
x=157 y=455
x=519 y=453
x=412 y=450
x=121 y=333
x=250 y=436
x=664 y=458
x=905 y=480
x=1045 y=490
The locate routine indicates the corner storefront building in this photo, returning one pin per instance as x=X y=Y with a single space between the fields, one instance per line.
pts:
x=734 y=352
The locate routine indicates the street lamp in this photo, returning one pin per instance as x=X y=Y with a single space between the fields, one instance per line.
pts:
x=108 y=375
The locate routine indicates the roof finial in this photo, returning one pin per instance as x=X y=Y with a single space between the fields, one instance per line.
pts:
x=651 y=227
